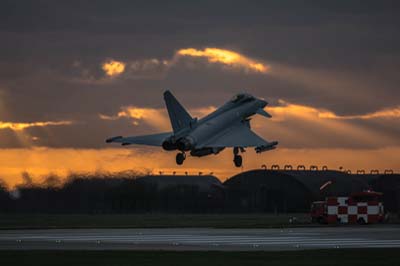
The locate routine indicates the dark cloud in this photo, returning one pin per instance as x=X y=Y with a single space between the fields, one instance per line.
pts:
x=343 y=57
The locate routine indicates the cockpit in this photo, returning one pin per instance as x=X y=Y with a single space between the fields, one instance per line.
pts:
x=242 y=97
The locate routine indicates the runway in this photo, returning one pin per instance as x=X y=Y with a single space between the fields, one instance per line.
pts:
x=202 y=238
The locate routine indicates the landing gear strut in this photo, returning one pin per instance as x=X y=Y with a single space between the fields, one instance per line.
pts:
x=180 y=157
x=237 y=159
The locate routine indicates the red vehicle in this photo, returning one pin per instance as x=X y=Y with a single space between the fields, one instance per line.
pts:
x=362 y=208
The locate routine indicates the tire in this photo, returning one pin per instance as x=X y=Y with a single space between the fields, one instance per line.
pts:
x=238 y=160
x=180 y=157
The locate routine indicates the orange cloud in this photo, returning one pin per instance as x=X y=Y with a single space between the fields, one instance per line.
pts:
x=156 y=118
x=113 y=68
x=386 y=113
x=21 y=126
x=156 y=68
x=307 y=112
x=225 y=57
x=297 y=125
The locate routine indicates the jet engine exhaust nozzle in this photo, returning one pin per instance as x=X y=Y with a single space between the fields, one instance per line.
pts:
x=169 y=145
x=185 y=144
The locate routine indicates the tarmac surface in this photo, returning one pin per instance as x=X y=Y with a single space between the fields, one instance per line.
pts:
x=202 y=238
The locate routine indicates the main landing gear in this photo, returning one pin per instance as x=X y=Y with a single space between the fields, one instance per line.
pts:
x=237 y=159
x=180 y=157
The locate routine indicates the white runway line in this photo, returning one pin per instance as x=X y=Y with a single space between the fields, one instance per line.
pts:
x=228 y=240
x=215 y=238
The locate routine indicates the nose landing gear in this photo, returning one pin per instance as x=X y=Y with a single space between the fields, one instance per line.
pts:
x=237 y=159
x=180 y=157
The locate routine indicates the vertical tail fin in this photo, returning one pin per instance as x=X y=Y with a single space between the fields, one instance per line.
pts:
x=178 y=116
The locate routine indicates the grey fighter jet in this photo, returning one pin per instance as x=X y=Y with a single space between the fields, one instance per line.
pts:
x=228 y=126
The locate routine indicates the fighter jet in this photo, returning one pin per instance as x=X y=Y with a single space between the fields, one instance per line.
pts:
x=226 y=127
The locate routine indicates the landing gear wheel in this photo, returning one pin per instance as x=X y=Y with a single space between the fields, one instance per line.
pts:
x=238 y=160
x=180 y=157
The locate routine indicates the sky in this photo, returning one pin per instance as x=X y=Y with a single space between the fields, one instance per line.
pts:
x=73 y=73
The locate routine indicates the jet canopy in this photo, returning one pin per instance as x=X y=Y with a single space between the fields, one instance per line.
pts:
x=242 y=97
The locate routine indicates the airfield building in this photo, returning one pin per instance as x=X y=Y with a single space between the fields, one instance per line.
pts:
x=272 y=191
x=294 y=190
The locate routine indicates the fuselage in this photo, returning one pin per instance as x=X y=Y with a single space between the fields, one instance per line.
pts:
x=196 y=137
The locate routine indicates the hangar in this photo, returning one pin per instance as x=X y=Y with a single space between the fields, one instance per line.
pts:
x=293 y=190
x=204 y=183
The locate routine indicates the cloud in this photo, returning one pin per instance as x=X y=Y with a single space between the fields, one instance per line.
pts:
x=225 y=57
x=302 y=126
x=288 y=109
x=344 y=89
x=151 y=68
x=147 y=64
x=156 y=68
x=15 y=134
x=156 y=118
x=21 y=126
x=387 y=113
x=113 y=68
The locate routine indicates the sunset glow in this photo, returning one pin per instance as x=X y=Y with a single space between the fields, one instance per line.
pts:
x=289 y=109
x=113 y=68
x=21 y=126
x=40 y=162
x=225 y=57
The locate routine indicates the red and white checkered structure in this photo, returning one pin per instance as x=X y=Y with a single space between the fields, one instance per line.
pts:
x=350 y=210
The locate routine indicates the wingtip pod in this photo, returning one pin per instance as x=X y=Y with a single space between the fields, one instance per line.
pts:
x=268 y=147
x=109 y=140
x=263 y=113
